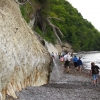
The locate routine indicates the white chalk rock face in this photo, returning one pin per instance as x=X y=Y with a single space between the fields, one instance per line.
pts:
x=23 y=60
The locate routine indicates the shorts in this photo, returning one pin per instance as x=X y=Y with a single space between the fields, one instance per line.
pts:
x=95 y=76
x=67 y=63
x=75 y=64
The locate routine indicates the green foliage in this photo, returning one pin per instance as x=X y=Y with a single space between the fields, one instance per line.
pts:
x=78 y=32
x=26 y=11
x=49 y=36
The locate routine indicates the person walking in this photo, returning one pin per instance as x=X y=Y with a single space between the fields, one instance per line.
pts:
x=62 y=60
x=80 y=64
x=75 y=62
x=67 y=59
x=94 y=72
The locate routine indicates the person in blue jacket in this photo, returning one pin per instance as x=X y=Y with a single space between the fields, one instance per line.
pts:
x=80 y=64
x=75 y=62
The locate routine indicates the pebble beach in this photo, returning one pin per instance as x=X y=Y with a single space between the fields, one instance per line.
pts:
x=63 y=86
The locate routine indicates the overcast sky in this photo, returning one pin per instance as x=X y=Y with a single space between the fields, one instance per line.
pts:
x=89 y=9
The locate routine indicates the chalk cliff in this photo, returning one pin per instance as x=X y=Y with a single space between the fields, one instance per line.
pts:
x=23 y=60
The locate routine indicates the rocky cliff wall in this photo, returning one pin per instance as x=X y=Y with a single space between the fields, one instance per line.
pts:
x=23 y=60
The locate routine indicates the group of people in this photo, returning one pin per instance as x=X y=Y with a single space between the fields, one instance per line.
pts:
x=67 y=59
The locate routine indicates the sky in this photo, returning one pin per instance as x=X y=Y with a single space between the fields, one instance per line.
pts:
x=89 y=9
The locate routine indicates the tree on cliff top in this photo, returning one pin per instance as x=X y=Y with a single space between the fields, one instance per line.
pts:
x=72 y=25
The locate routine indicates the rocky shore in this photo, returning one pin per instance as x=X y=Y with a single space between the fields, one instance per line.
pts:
x=63 y=86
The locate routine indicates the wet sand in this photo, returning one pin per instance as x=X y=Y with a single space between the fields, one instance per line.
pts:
x=63 y=86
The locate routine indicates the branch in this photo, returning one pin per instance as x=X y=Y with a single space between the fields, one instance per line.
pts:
x=29 y=2
x=56 y=26
x=54 y=30
x=22 y=3
x=59 y=31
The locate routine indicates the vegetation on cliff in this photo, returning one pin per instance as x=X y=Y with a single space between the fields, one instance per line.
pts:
x=77 y=31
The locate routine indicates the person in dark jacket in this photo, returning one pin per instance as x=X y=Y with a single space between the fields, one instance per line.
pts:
x=75 y=62
x=94 y=73
x=80 y=64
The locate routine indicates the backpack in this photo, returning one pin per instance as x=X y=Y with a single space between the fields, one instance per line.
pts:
x=96 y=70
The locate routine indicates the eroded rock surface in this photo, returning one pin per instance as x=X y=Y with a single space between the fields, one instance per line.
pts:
x=23 y=60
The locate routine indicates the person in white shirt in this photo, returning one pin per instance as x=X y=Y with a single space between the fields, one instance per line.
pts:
x=67 y=59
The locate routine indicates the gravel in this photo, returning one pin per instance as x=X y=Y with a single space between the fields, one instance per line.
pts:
x=62 y=86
